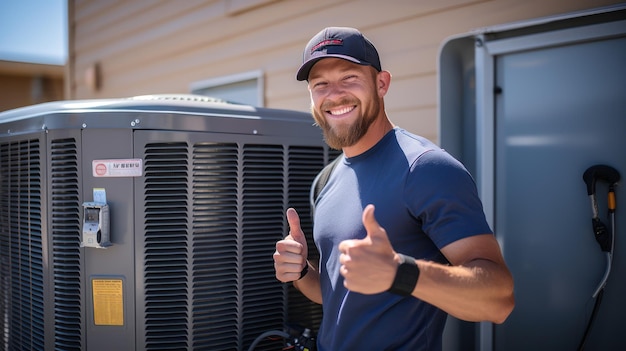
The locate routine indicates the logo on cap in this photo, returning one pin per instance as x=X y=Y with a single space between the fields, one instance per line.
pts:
x=326 y=42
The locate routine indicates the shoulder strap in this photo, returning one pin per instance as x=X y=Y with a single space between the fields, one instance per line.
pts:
x=320 y=181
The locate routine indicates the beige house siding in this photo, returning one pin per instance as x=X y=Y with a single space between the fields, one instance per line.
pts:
x=148 y=47
x=23 y=84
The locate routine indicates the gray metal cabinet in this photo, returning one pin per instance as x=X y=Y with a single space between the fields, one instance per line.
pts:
x=528 y=107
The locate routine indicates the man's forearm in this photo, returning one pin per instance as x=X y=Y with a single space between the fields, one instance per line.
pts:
x=481 y=290
x=309 y=285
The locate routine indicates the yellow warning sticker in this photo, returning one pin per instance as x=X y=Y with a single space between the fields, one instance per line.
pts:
x=108 y=301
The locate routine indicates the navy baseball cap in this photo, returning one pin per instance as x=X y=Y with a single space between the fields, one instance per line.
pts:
x=341 y=42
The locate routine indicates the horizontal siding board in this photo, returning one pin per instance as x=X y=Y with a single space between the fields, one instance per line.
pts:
x=85 y=10
x=412 y=92
x=148 y=30
x=422 y=121
x=117 y=20
x=197 y=29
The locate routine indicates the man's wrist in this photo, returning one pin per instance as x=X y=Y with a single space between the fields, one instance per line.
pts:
x=406 y=276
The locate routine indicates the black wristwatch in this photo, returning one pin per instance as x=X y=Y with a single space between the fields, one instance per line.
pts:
x=304 y=271
x=406 y=276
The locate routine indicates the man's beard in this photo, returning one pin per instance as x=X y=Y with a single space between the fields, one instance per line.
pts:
x=341 y=136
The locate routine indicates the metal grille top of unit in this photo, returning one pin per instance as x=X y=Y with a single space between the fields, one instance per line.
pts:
x=156 y=112
x=180 y=97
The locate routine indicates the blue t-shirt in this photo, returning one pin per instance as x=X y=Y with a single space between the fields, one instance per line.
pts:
x=425 y=199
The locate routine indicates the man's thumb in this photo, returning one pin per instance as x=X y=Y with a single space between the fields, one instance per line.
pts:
x=373 y=229
x=294 y=226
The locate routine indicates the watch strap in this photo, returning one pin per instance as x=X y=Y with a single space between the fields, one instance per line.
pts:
x=406 y=276
x=304 y=271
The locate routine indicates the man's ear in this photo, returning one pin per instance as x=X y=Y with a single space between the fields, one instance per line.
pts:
x=383 y=79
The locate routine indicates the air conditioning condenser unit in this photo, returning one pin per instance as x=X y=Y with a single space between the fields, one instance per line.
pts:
x=149 y=223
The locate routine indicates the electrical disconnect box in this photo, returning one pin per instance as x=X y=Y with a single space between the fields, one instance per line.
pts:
x=95 y=225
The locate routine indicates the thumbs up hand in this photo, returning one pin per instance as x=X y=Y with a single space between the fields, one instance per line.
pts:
x=292 y=252
x=368 y=265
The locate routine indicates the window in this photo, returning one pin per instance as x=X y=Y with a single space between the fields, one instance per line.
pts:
x=244 y=88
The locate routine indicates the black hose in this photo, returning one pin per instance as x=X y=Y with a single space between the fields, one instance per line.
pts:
x=604 y=238
x=596 y=306
x=265 y=335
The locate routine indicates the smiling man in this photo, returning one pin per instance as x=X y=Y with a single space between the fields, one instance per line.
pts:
x=401 y=232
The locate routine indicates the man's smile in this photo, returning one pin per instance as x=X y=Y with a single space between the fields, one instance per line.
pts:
x=341 y=111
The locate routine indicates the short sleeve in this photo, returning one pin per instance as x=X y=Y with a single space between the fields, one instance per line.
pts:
x=442 y=194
